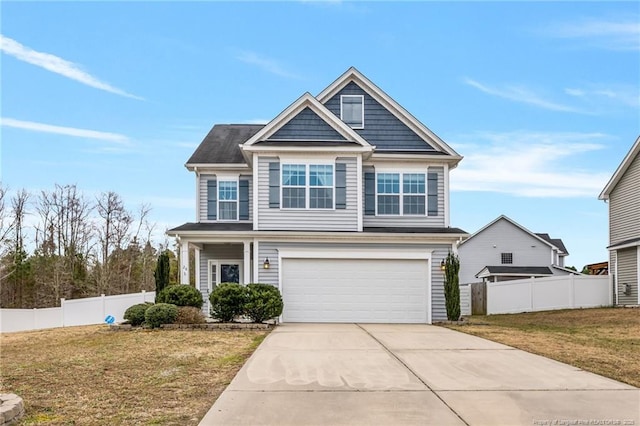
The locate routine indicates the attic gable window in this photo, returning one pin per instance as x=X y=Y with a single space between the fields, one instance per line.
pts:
x=506 y=258
x=352 y=110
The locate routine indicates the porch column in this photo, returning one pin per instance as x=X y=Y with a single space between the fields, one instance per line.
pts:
x=184 y=262
x=246 y=263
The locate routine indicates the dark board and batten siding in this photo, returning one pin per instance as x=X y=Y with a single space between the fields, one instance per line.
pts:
x=307 y=125
x=203 y=189
x=440 y=251
x=628 y=274
x=381 y=128
x=340 y=219
x=624 y=206
x=408 y=220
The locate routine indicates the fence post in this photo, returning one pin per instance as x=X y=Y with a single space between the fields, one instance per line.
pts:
x=531 y=285
x=572 y=300
x=62 y=309
x=104 y=307
x=35 y=318
x=144 y=296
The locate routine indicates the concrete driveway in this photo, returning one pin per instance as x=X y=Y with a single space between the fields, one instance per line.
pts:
x=385 y=374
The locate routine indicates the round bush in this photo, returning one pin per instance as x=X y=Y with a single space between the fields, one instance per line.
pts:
x=263 y=302
x=227 y=301
x=135 y=314
x=160 y=313
x=189 y=315
x=180 y=295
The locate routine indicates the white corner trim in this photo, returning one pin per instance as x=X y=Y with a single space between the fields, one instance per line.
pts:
x=254 y=195
x=359 y=193
x=446 y=196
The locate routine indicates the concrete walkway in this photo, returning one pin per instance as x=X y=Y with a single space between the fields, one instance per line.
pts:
x=385 y=374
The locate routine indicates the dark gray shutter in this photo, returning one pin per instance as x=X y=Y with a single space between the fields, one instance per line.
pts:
x=274 y=185
x=243 y=199
x=432 y=191
x=212 y=199
x=341 y=186
x=370 y=194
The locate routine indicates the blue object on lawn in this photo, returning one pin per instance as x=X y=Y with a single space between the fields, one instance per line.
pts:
x=109 y=319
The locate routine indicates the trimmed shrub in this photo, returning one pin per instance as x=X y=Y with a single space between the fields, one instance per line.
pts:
x=263 y=302
x=227 y=301
x=180 y=295
x=452 y=287
x=135 y=314
x=189 y=315
x=161 y=274
x=160 y=313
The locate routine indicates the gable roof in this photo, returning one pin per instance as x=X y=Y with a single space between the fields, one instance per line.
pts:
x=555 y=241
x=353 y=75
x=303 y=102
x=221 y=145
x=620 y=171
x=548 y=241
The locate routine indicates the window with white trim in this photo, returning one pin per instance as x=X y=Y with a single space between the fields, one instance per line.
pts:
x=396 y=199
x=352 y=110
x=227 y=200
x=316 y=180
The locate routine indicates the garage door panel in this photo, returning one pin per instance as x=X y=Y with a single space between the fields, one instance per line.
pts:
x=354 y=290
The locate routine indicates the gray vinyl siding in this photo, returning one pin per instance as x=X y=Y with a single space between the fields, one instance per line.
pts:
x=624 y=206
x=381 y=128
x=628 y=274
x=411 y=220
x=214 y=252
x=202 y=190
x=307 y=125
x=479 y=251
x=440 y=251
x=308 y=219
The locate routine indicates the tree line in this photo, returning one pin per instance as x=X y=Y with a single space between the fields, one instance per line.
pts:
x=60 y=243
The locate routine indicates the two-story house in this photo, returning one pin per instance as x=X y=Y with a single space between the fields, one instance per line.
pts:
x=341 y=201
x=623 y=195
x=505 y=250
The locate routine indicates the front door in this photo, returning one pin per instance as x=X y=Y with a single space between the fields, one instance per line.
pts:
x=224 y=271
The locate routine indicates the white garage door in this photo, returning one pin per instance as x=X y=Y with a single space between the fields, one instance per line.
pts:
x=355 y=290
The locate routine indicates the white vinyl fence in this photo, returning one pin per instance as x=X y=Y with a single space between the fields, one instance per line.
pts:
x=544 y=294
x=465 y=299
x=91 y=310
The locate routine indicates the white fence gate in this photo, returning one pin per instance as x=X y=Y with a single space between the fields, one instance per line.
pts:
x=91 y=310
x=544 y=294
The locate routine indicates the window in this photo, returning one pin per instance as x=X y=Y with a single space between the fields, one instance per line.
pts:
x=321 y=186
x=227 y=200
x=352 y=110
x=506 y=258
x=411 y=192
x=414 y=193
x=388 y=193
x=298 y=180
x=294 y=186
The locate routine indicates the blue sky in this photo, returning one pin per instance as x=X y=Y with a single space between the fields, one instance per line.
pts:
x=542 y=99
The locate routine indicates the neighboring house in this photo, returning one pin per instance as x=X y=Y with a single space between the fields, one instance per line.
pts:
x=623 y=194
x=505 y=250
x=341 y=201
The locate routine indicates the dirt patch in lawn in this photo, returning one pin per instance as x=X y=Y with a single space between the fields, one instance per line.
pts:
x=90 y=375
x=605 y=341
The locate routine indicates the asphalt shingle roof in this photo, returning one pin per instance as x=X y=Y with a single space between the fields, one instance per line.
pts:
x=221 y=144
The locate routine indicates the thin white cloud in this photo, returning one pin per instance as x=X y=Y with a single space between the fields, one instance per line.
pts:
x=520 y=94
x=60 y=130
x=596 y=95
x=612 y=34
x=529 y=164
x=267 y=64
x=57 y=65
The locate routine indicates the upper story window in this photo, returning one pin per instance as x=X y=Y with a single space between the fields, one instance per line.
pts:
x=506 y=258
x=352 y=110
x=396 y=199
x=227 y=200
x=316 y=180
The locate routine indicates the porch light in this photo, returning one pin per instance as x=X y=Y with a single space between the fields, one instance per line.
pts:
x=265 y=265
x=443 y=265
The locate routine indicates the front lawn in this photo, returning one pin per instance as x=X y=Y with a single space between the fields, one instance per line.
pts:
x=90 y=375
x=605 y=341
